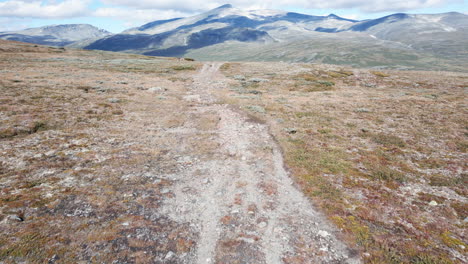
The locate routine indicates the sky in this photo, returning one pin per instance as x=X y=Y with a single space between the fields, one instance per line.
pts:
x=118 y=15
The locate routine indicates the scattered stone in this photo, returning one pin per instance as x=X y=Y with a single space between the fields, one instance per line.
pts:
x=239 y=77
x=254 y=92
x=363 y=110
x=262 y=224
x=169 y=255
x=102 y=90
x=122 y=82
x=114 y=100
x=16 y=218
x=323 y=233
x=164 y=191
x=125 y=223
x=365 y=254
x=433 y=203
x=257 y=80
x=291 y=130
x=365 y=130
x=142 y=88
x=157 y=89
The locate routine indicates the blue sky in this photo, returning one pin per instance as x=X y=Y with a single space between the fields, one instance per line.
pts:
x=118 y=15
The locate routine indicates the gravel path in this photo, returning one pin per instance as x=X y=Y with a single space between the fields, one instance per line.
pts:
x=241 y=202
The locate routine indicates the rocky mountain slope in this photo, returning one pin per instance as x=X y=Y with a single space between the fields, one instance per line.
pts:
x=56 y=35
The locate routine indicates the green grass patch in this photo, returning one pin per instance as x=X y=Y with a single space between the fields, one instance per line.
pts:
x=183 y=68
x=388 y=140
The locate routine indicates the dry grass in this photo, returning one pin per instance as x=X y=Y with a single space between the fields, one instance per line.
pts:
x=384 y=156
x=362 y=150
x=79 y=163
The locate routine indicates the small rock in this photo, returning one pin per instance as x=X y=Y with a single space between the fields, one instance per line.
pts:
x=157 y=89
x=114 y=100
x=365 y=254
x=165 y=190
x=465 y=220
x=370 y=85
x=239 y=77
x=257 y=80
x=324 y=249
x=291 y=130
x=323 y=233
x=125 y=224
x=433 y=203
x=169 y=255
x=262 y=224
x=363 y=110
x=16 y=218
x=254 y=92
x=206 y=181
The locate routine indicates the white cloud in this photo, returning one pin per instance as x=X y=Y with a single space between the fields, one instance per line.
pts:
x=363 y=5
x=136 y=17
x=44 y=9
x=12 y=24
x=168 y=8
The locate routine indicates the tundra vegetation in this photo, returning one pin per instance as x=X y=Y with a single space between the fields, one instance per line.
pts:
x=382 y=154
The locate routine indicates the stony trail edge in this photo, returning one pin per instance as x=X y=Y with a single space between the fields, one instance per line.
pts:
x=242 y=205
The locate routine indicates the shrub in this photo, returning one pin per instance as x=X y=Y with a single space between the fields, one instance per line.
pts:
x=380 y=74
x=183 y=68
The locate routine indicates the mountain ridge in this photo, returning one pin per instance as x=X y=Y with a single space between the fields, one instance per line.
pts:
x=429 y=37
x=56 y=35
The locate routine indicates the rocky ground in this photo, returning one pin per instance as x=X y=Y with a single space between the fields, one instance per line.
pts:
x=116 y=158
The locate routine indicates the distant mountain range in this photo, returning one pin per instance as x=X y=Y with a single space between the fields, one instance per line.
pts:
x=56 y=35
x=228 y=33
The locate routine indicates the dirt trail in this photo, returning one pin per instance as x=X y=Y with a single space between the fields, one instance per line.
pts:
x=241 y=201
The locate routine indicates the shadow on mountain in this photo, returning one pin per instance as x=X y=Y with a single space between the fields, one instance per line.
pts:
x=196 y=40
x=41 y=40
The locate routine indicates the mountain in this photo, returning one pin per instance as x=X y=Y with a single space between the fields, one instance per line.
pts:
x=175 y=37
x=228 y=33
x=56 y=35
x=409 y=41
